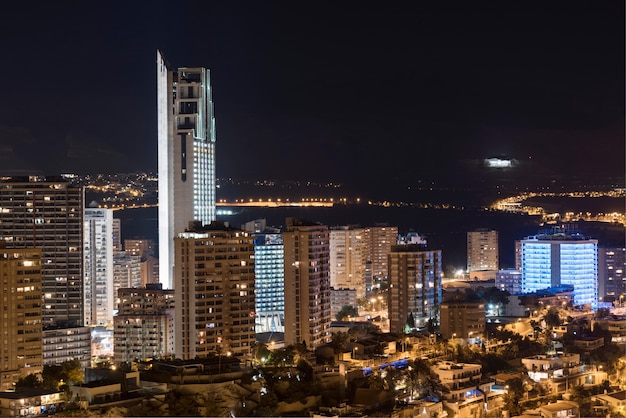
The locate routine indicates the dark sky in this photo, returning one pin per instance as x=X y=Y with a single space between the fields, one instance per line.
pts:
x=348 y=91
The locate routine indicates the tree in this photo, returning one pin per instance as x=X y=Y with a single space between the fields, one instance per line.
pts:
x=552 y=318
x=181 y=406
x=346 y=311
x=338 y=341
x=69 y=372
x=515 y=391
x=30 y=381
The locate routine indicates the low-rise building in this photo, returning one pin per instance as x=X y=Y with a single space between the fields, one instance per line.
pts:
x=461 y=381
x=30 y=402
x=560 y=409
x=560 y=372
x=615 y=401
x=588 y=344
x=615 y=324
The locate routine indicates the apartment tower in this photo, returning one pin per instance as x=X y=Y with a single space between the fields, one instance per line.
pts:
x=215 y=294
x=552 y=260
x=21 y=351
x=47 y=213
x=98 y=267
x=144 y=324
x=414 y=287
x=349 y=251
x=307 y=283
x=186 y=156
x=269 y=268
x=482 y=250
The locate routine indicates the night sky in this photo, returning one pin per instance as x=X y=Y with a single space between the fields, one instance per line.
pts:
x=346 y=91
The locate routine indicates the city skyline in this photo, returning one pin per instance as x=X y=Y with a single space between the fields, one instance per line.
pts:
x=324 y=91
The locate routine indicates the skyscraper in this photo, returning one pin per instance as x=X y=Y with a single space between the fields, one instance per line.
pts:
x=349 y=251
x=482 y=250
x=269 y=282
x=47 y=213
x=214 y=279
x=414 y=286
x=307 y=283
x=551 y=260
x=382 y=237
x=98 y=267
x=612 y=273
x=36 y=212
x=20 y=327
x=144 y=323
x=186 y=156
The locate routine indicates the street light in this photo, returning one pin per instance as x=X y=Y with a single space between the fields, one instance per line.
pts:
x=354 y=350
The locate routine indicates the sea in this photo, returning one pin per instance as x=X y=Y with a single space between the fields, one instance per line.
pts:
x=443 y=229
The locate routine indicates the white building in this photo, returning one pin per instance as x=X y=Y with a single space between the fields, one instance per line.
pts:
x=186 y=156
x=98 y=266
x=558 y=259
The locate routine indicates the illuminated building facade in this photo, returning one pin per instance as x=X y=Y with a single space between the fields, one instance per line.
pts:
x=462 y=319
x=144 y=324
x=149 y=265
x=349 y=251
x=98 y=266
x=215 y=292
x=186 y=156
x=126 y=270
x=482 y=250
x=612 y=274
x=561 y=259
x=36 y=212
x=21 y=351
x=509 y=280
x=414 y=287
x=382 y=238
x=269 y=287
x=307 y=283
x=65 y=344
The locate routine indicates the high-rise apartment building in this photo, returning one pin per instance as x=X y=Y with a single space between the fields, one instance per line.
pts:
x=144 y=324
x=612 y=273
x=36 y=212
x=98 y=266
x=552 y=260
x=215 y=293
x=186 y=155
x=414 y=287
x=382 y=238
x=307 y=283
x=144 y=248
x=482 y=250
x=117 y=234
x=140 y=247
x=126 y=271
x=269 y=287
x=20 y=327
x=349 y=252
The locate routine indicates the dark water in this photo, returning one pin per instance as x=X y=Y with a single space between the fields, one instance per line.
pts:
x=444 y=229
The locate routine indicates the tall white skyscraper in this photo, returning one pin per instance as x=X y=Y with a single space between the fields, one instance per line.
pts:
x=98 y=266
x=186 y=156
